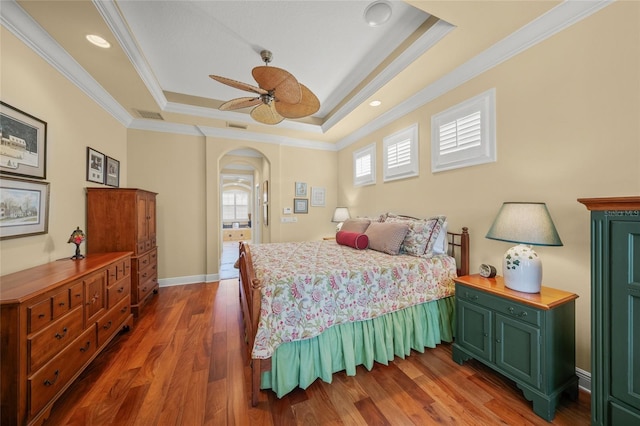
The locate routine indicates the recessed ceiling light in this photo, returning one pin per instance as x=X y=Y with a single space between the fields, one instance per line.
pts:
x=98 y=41
x=377 y=13
x=375 y=103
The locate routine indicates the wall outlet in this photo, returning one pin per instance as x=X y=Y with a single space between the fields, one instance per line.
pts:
x=291 y=219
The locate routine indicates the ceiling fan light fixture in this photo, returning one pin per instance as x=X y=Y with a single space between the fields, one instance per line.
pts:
x=377 y=13
x=98 y=41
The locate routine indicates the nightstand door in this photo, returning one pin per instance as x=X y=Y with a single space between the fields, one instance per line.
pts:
x=475 y=329
x=518 y=349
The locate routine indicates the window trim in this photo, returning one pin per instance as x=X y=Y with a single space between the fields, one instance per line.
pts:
x=370 y=178
x=413 y=167
x=486 y=152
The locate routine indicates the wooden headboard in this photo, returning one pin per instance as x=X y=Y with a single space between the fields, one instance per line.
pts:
x=459 y=249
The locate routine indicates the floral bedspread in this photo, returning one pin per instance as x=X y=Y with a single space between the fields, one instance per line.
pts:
x=313 y=285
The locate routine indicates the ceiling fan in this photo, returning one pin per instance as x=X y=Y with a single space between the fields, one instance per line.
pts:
x=280 y=95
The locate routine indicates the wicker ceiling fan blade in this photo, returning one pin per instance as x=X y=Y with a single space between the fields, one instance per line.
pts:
x=284 y=85
x=266 y=114
x=239 y=85
x=308 y=105
x=240 y=103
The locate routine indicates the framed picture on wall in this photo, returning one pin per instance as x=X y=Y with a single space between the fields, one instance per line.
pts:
x=24 y=143
x=301 y=189
x=113 y=172
x=95 y=165
x=317 y=197
x=300 y=205
x=25 y=206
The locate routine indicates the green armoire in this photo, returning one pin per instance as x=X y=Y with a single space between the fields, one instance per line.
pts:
x=615 y=310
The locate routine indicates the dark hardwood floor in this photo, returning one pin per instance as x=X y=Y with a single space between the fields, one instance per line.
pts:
x=184 y=363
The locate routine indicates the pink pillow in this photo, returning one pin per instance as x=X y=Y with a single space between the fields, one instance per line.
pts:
x=352 y=239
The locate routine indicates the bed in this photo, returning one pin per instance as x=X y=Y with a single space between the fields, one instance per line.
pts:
x=314 y=308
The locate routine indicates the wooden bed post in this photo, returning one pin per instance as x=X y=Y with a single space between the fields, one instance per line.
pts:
x=464 y=251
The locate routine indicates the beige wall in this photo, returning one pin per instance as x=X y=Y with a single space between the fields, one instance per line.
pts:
x=73 y=122
x=567 y=127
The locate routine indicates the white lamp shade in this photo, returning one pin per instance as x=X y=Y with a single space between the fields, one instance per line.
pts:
x=523 y=223
x=340 y=214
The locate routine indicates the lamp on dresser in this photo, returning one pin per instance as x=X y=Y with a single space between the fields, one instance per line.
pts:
x=526 y=224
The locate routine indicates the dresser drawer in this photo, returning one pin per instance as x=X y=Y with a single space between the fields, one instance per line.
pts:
x=110 y=323
x=147 y=283
x=118 y=271
x=117 y=292
x=60 y=303
x=51 y=340
x=503 y=306
x=144 y=261
x=48 y=381
x=95 y=296
x=76 y=295
x=39 y=315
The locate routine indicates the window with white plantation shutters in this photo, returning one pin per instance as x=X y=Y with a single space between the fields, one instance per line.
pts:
x=401 y=154
x=235 y=205
x=464 y=135
x=364 y=166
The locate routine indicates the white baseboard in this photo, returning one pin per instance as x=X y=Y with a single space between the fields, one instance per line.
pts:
x=192 y=279
x=584 y=379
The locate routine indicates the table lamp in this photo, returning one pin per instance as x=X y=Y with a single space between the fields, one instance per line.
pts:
x=526 y=224
x=340 y=215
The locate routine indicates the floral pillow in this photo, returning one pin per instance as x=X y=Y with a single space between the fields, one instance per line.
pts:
x=422 y=234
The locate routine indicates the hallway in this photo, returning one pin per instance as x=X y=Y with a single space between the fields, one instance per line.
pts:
x=229 y=257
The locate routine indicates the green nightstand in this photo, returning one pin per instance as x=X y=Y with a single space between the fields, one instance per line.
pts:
x=527 y=337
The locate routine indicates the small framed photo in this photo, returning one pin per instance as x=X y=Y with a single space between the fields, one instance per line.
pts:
x=95 y=165
x=301 y=189
x=24 y=143
x=300 y=205
x=25 y=207
x=317 y=197
x=113 y=172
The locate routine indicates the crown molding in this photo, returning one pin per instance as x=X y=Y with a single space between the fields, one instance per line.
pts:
x=557 y=19
x=21 y=25
x=413 y=52
x=112 y=17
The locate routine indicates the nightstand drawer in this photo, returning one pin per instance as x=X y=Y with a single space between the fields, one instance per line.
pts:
x=503 y=306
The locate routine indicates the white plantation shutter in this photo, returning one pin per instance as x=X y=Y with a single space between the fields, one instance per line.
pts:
x=364 y=166
x=401 y=154
x=235 y=205
x=464 y=135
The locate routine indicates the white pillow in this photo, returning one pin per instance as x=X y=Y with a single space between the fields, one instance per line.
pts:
x=442 y=242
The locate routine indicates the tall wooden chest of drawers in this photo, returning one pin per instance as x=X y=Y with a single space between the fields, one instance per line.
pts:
x=124 y=219
x=54 y=320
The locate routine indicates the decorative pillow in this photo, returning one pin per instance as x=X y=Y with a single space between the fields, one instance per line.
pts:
x=441 y=245
x=352 y=239
x=386 y=236
x=355 y=225
x=436 y=223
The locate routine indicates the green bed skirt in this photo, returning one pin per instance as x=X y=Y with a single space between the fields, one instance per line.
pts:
x=345 y=346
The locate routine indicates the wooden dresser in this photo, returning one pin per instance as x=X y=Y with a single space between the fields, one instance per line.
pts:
x=54 y=320
x=124 y=219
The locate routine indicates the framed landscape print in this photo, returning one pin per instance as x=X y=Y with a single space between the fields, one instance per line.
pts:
x=25 y=207
x=113 y=172
x=23 y=151
x=95 y=165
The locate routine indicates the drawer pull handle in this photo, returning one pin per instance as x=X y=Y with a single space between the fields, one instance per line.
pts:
x=113 y=275
x=60 y=336
x=78 y=295
x=107 y=325
x=471 y=296
x=124 y=309
x=61 y=304
x=121 y=289
x=86 y=347
x=41 y=316
x=49 y=382
x=144 y=275
x=498 y=341
x=522 y=314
